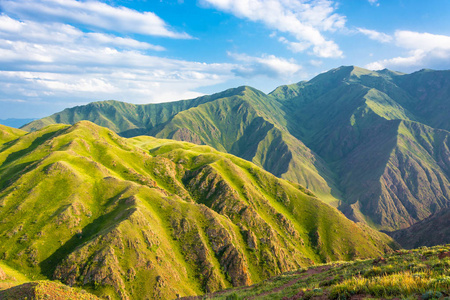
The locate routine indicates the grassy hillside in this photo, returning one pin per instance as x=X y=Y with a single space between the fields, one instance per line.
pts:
x=40 y=290
x=373 y=143
x=145 y=217
x=10 y=277
x=8 y=134
x=419 y=274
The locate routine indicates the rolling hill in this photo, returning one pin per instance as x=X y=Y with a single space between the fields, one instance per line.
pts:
x=374 y=144
x=145 y=218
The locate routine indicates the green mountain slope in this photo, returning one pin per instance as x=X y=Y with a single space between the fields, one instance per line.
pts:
x=8 y=134
x=374 y=144
x=151 y=218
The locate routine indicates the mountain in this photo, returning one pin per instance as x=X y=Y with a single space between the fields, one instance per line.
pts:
x=373 y=143
x=145 y=218
x=392 y=169
x=15 y=123
x=240 y=121
x=434 y=230
x=416 y=274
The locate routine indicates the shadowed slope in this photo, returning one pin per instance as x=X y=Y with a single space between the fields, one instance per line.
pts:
x=418 y=235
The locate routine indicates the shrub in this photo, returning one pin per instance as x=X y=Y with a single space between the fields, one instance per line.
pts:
x=233 y=296
x=431 y=295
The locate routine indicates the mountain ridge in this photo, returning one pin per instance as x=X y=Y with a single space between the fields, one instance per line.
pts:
x=321 y=133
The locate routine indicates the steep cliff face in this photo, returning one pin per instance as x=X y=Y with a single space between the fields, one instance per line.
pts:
x=145 y=217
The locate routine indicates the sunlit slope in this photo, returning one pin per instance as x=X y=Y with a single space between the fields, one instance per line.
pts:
x=155 y=217
x=8 y=133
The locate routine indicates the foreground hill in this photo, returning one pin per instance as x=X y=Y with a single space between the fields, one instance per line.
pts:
x=149 y=218
x=45 y=290
x=8 y=133
x=418 y=274
x=374 y=144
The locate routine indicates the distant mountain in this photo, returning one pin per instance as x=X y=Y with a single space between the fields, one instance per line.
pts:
x=146 y=218
x=434 y=230
x=15 y=123
x=374 y=144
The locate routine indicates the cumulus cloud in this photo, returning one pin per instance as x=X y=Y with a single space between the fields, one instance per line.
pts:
x=422 y=50
x=425 y=41
x=267 y=65
x=304 y=20
x=54 y=61
x=57 y=33
x=374 y=2
x=295 y=47
x=375 y=35
x=92 y=13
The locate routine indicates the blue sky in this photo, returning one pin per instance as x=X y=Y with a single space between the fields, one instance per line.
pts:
x=61 y=53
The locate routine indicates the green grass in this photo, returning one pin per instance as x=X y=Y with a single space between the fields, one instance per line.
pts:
x=404 y=274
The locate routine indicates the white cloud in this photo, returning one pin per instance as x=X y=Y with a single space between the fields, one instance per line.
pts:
x=315 y=63
x=423 y=50
x=374 y=2
x=425 y=41
x=54 y=61
x=304 y=20
x=267 y=65
x=57 y=33
x=375 y=35
x=295 y=47
x=91 y=13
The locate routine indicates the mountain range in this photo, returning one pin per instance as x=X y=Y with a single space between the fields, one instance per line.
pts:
x=375 y=144
x=143 y=217
x=15 y=123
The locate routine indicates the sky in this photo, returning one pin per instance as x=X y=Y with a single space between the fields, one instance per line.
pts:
x=56 y=54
